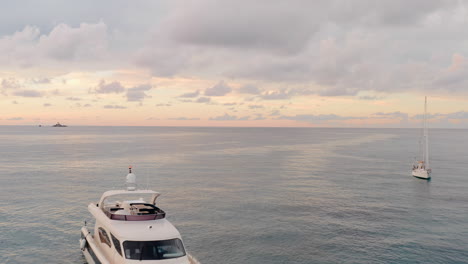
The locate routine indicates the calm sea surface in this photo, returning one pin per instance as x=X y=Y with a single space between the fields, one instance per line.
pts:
x=243 y=195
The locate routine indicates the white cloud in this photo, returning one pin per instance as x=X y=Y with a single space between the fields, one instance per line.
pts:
x=27 y=47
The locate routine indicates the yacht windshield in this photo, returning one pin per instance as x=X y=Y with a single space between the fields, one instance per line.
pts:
x=146 y=250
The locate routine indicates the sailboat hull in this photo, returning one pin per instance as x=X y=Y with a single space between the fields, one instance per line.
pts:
x=421 y=174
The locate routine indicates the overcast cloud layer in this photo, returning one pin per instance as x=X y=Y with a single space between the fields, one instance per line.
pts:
x=262 y=51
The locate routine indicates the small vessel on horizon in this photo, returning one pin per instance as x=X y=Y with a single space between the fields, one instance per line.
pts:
x=421 y=167
x=59 y=125
x=131 y=229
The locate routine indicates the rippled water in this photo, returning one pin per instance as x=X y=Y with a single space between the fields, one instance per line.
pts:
x=243 y=195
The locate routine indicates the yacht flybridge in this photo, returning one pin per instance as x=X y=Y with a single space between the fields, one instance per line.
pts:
x=131 y=229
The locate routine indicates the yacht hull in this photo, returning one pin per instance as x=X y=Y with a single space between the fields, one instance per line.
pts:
x=421 y=174
x=93 y=254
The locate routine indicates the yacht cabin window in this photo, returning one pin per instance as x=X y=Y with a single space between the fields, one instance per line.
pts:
x=148 y=250
x=104 y=237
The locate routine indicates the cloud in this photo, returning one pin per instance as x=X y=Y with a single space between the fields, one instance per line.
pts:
x=190 y=95
x=276 y=95
x=73 y=99
x=227 y=117
x=319 y=118
x=114 y=107
x=107 y=88
x=138 y=93
x=47 y=105
x=229 y=104
x=369 y=98
x=67 y=43
x=28 y=93
x=185 y=118
x=397 y=114
x=41 y=80
x=203 y=100
x=163 y=104
x=275 y=113
x=249 y=89
x=14 y=118
x=332 y=47
x=258 y=28
x=64 y=43
x=457 y=115
x=259 y=117
x=220 y=89
x=256 y=106
x=10 y=83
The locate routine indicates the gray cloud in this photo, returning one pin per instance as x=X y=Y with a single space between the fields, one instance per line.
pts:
x=249 y=89
x=227 y=117
x=138 y=93
x=275 y=113
x=334 y=45
x=220 y=89
x=190 y=95
x=47 y=105
x=397 y=114
x=164 y=104
x=10 y=83
x=318 y=118
x=28 y=93
x=114 y=107
x=229 y=104
x=203 y=100
x=73 y=99
x=184 y=118
x=14 y=118
x=41 y=80
x=259 y=117
x=369 y=98
x=457 y=115
x=106 y=88
x=256 y=106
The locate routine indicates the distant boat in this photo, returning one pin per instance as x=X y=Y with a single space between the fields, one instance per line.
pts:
x=59 y=125
x=421 y=168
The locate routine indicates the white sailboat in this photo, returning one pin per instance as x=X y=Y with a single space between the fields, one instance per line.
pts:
x=421 y=168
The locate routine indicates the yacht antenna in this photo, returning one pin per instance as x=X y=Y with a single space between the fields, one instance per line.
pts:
x=131 y=180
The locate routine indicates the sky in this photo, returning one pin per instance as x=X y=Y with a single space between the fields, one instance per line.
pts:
x=291 y=63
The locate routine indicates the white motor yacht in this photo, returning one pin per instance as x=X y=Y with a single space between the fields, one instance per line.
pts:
x=132 y=230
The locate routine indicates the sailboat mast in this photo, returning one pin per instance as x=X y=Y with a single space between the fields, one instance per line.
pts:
x=426 y=148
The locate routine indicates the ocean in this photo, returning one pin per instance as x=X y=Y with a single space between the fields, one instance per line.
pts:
x=243 y=195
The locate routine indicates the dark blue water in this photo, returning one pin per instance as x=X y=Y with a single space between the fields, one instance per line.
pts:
x=243 y=195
